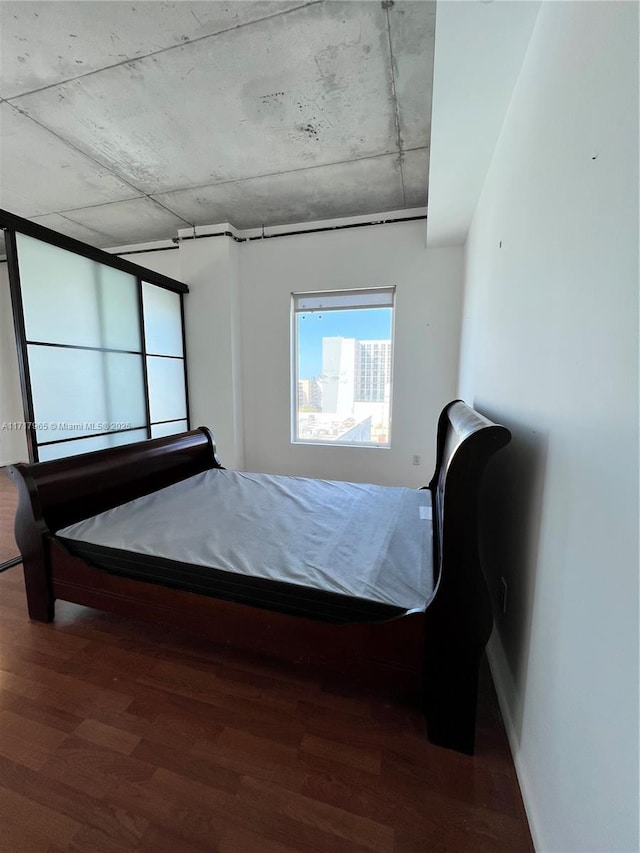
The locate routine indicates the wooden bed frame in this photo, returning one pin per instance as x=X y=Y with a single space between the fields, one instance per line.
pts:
x=433 y=655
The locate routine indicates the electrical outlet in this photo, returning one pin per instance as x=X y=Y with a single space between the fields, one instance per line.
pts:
x=503 y=594
x=415 y=459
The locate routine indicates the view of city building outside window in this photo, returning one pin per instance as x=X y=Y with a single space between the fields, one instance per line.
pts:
x=343 y=367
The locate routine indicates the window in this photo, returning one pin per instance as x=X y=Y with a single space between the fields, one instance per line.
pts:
x=342 y=345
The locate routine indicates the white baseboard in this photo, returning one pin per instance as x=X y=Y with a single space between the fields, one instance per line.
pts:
x=494 y=654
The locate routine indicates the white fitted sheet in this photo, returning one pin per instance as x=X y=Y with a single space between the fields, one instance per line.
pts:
x=354 y=539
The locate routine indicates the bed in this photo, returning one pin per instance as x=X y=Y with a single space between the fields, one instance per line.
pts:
x=382 y=585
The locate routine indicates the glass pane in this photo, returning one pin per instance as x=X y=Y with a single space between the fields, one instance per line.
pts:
x=69 y=299
x=343 y=376
x=159 y=430
x=88 y=445
x=77 y=392
x=118 y=308
x=124 y=390
x=167 y=400
x=162 y=320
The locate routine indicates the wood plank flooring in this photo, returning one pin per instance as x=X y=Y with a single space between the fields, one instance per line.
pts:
x=120 y=736
x=8 y=504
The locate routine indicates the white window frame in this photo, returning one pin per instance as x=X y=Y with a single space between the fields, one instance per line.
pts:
x=330 y=300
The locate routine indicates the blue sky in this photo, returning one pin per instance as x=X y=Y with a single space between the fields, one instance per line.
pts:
x=372 y=324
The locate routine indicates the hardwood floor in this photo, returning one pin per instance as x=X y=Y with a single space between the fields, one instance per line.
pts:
x=8 y=503
x=120 y=736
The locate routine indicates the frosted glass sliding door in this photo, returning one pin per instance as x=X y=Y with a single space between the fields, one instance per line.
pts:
x=101 y=346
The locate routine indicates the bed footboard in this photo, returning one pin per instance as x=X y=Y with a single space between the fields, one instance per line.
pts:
x=459 y=621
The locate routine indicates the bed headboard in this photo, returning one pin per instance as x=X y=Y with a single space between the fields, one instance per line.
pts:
x=466 y=441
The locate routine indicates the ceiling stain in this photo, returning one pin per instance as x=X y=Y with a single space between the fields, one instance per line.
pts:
x=310 y=131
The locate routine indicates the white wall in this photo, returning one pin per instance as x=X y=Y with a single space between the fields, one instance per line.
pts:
x=212 y=321
x=550 y=348
x=13 y=445
x=165 y=261
x=427 y=320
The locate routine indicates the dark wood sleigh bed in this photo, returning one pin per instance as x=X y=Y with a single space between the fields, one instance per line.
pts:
x=433 y=655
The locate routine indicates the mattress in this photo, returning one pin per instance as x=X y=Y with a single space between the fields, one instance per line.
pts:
x=340 y=552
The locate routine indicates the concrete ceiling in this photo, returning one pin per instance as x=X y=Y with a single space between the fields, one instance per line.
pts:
x=121 y=122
